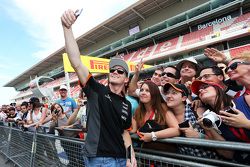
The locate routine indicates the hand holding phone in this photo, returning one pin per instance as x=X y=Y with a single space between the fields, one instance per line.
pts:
x=184 y=124
x=130 y=156
x=78 y=12
x=230 y=110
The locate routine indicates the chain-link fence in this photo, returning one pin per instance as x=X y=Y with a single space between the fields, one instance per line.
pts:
x=28 y=149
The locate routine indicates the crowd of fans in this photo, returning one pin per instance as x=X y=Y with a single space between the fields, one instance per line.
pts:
x=187 y=100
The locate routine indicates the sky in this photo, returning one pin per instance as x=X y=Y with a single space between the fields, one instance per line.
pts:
x=30 y=30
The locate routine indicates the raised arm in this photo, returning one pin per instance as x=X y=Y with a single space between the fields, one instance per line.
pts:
x=68 y=18
x=133 y=83
x=216 y=55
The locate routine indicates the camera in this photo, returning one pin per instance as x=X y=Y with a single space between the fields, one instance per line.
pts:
x=56 y=112
x=210 y=119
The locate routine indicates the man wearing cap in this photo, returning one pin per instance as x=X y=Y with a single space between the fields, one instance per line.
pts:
x=68 y=104
x=189 y=70
x=109 y=113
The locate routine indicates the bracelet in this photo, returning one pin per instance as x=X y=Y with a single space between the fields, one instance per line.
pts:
x=201 y=136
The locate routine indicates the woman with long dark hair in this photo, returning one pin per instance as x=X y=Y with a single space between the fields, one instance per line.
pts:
x=215 y=99
x=152 y=112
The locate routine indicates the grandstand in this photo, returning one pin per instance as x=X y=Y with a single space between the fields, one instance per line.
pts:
x=168 y=31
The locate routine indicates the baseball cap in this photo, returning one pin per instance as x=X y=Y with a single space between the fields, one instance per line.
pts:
x=63 y=87
x=118 y=62
x=195 y=87
x=189 y=59
x=179 y=87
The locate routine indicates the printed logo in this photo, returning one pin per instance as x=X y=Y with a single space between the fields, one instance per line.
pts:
x=108 y=97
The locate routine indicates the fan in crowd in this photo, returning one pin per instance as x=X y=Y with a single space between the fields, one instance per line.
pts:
x=152 y=120
x=232 y=125
x=176 y=100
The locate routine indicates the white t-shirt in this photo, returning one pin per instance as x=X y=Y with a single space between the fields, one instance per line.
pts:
x=36 y=117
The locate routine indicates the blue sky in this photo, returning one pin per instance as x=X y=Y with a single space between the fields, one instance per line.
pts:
x=30 y=30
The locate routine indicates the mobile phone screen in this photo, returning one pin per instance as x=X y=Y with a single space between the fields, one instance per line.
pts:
x=78 y=12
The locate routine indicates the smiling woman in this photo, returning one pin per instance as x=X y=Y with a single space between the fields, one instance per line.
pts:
x=153 y=108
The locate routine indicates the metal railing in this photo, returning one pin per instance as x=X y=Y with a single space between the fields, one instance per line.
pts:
x=37 y=149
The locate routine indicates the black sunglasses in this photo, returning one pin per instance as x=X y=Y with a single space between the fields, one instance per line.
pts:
x=119 y=71
x=235 y=65
x=168 y=74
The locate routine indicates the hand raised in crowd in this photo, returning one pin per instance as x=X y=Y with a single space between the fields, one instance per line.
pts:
x=139 y=66
x=68 y=18
x=190 y=131
x=215 y=55
x=237 y=120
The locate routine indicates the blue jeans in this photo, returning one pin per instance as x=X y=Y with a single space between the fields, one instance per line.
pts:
x=105 y=162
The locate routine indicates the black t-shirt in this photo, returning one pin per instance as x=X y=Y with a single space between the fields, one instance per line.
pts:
x=108 y=116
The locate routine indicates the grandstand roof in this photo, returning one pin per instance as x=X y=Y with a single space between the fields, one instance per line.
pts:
x=134 y=13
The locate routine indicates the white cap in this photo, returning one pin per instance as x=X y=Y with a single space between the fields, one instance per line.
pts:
x=189 y=59
x=63 y=87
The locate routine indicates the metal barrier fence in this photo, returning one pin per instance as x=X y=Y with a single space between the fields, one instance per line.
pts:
x=34 y=149
x=28 y=149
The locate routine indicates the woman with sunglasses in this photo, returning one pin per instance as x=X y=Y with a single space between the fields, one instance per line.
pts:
x=152 y=107
x=235 y=124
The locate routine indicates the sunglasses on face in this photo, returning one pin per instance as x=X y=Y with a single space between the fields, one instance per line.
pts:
x=234 y=65
x=119 y=71
x=168 y=74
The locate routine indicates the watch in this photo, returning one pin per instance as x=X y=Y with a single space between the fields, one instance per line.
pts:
x=154 y=137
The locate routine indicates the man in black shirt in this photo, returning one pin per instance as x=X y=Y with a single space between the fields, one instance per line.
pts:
x=109 y=113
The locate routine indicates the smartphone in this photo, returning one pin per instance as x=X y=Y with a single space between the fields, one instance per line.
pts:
x=230 y=110
x=56 y=112
x=129 y=153
x=78 y=12
x=184 y=124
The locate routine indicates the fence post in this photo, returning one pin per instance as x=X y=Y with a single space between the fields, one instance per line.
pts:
x=8 y=143
x=33 y=149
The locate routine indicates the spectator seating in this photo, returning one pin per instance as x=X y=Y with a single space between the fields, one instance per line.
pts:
x=236 y=51
x=196 y=36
